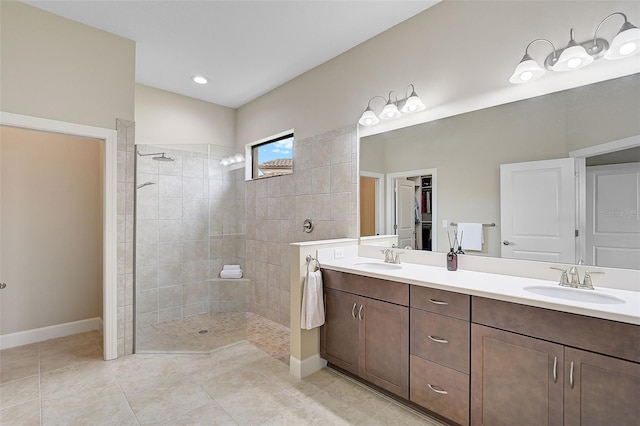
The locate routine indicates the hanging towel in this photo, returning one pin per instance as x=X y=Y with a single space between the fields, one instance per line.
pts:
x=312 y=313
x=231 y=273
x=471 y=234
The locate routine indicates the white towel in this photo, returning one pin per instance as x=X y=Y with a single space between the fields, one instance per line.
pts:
x=312 y=314
x=231 y=273
x=226 y=267
x=471 y=234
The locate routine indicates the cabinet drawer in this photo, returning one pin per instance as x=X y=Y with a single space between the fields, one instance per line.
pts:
x=375 y=288
x=440 y=301
x=440 y=339
x=440 y=389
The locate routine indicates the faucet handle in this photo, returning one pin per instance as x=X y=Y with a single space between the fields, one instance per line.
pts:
x=588 y=283
x=397 y=258
x=564 y=279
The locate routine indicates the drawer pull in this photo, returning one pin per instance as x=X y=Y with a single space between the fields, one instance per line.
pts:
x=438 y=339
x=353 y=311
x=436 y=389
x=438 y=302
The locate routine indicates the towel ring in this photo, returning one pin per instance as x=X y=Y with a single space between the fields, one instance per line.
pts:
x=312 y=259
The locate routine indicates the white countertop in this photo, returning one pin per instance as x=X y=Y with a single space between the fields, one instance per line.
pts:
x=495 y=286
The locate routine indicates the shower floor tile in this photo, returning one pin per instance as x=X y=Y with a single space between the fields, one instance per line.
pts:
x=207 y=332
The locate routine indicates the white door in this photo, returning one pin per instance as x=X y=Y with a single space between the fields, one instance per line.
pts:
x=405 y=213
x=538 y=210
x=613 y=228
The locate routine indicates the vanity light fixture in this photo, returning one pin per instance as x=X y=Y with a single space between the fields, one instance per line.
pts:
x=579 y=55
x=200 y=79
x=410 y=104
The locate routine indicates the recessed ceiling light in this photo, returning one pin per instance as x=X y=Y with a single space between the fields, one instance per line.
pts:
x=200 y=79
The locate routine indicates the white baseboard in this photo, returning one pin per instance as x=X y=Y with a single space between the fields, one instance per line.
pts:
x=306 y=367
x=51 y=332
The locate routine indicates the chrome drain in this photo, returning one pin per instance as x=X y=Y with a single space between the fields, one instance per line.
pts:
x=203 y=331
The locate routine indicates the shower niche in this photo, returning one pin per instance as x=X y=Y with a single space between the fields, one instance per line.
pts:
x=189 y=222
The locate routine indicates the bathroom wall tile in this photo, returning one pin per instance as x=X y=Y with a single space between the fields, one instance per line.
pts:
x=122 y=166
x=129 y=192
x=303 y=182
x=121 y=230
x=169 y=230
x=120 y=258
x=273 y=275
x=250 y=189
x=169 y=297
x=340 y=206
x=341 y=149
x=128 y=289
x=355 y=175
x=273 y=186
x=128 y=324
x=147 y=301
x=121 y=198
x=273 y=231
x=170 y=314
x=215 y=189
x=171 y=168
x=250 y=208
x=195 y=292
x=146 y=278
x=129 y=248
x=321 y=153
x=169 y=274
x=193 y=167
x=284 y=305
x=171 y=252
x=120 y=322
x=340 y=229
x=193 y=230
x=193 y=188
x=147 y=254
x=321 y=179
x=170 y=186
x=147 y=208
x=262 y=188
x=261 y=208
x=193 y=271
x=169 y=208
x=273 y=298
x=341 y=177
x=195 y=309
x=196 y=250
x=215 y=247
x=195 y=208
x=120 y=289
x=287 y=185
x=129 y=228
x=146 y=318
x=261 y=251
x=322 y=230
x=321 y=206
x=287 y=207
x=147 y=231
x=287 y=230
x=130 y=168
x=304 y=208
x=147 y=164
x=273 y=208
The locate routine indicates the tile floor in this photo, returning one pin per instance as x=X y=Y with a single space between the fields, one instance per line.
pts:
x=65 y=382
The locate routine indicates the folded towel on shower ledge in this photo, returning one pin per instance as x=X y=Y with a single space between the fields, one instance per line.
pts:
x=230 y=267
x=231 y=273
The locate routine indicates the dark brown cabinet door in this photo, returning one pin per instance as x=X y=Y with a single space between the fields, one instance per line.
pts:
x=384 y=345
x=515 y=380
x=600 y=390
x=340 y=334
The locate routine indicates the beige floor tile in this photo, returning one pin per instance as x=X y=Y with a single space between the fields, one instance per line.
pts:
x=27 y=414
x=308 y=414
x=165 y=403
x=90 y=379
x=18 y=363
x=396 y=414
x=69 y=350
x=109 y=410
x=19 y=391
x=209 y=414
x=137 y=373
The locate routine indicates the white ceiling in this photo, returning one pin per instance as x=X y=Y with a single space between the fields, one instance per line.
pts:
x=244 y=48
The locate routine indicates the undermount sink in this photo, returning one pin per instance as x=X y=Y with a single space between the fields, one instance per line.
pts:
x=378 y=265
x=577 y=295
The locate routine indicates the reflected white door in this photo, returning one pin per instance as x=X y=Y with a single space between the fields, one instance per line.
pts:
x=538 y=210
x=405 y=213
x=613 y=228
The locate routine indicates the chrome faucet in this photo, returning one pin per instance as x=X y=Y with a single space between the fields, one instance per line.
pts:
x=574 y=282
x=575 y=277
x=390 y=256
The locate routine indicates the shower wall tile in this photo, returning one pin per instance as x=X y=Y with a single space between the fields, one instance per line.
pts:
x=169 y=314
x=341 y=149
x=170 y=186
x=146 y=277
x=341 y=177
x=147 y=301
x=147 y=231
x=128 y=288
x=147 y=208
x=169 y=208
x=193 y=167
x=169 y=230
x=170 y=297
x=169 y=274
x=321 y=153
x=171 y=252
x=321 y=179
x=195 y=208
x=171 y=168
x=193 y=188
x=147 y=254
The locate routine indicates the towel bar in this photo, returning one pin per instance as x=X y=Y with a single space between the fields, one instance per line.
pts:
x=484 y=225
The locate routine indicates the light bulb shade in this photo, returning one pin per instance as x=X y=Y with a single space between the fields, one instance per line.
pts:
x=413 y=104
x=390 y=111
x=572 y=58
x=368 y=118
x=527 y=70
x=626 y=43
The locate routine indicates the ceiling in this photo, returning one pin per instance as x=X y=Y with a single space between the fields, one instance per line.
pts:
x=244 y=48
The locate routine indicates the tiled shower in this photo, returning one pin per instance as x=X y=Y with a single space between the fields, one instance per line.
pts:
x=189 y=222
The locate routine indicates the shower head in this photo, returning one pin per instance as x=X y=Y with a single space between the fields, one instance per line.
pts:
x=158 y=156
x=162 y=157
x=142 y=185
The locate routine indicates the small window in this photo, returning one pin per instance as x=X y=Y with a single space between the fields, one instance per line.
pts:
x=273 y=158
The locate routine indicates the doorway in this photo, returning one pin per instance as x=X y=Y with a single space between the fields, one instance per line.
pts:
x=108 y=210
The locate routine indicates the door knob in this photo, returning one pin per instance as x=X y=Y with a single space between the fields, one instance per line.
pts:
x=2 y=285
x=507 y=243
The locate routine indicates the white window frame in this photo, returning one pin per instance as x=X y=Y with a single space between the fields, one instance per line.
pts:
x=248 y=151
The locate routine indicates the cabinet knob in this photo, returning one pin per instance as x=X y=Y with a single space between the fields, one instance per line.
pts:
x=437 y=389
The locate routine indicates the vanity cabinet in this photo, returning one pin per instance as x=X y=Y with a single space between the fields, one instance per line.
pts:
x=537 y=366
x=439 y=352
x=364 y=335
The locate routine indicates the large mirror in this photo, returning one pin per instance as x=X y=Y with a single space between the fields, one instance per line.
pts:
x=462 y=157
